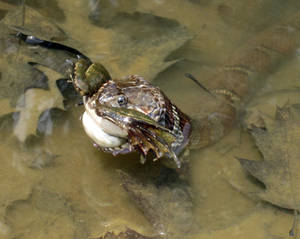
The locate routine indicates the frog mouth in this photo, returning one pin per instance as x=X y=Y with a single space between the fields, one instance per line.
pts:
x=121 y=130
x=105 y=134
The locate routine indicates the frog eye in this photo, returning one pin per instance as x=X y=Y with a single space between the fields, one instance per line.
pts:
x=122 y=100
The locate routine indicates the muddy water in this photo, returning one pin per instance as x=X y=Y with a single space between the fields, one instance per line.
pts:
x=58 y=186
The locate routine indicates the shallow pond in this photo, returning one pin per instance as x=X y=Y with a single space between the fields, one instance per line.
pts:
x=55 y=184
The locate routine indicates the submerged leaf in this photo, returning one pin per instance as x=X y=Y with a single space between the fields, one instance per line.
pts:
x=24 y=86
x=36 y=102
x=144 y=49
x=169 y=208
x=279 y=171
x=31 y=22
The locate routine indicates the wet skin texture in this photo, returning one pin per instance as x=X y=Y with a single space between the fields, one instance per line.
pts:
x=136 y=114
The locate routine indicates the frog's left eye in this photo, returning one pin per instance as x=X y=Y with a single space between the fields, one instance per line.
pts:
x=122 y=100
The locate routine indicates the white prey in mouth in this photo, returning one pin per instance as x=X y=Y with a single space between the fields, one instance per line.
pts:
x=101 y=131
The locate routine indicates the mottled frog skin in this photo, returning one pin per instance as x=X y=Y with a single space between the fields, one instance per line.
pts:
x=134 y=115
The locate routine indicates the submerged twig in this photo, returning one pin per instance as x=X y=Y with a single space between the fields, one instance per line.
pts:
x=190 y=76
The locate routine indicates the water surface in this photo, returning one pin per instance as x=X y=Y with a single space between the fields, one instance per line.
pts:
x=55 y=184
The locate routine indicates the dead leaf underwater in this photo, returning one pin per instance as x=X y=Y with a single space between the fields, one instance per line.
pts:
x=279 y=170
x=26 y=87
x=168 y=207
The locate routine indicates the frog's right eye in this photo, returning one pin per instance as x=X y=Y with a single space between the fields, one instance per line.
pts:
x=122 y=100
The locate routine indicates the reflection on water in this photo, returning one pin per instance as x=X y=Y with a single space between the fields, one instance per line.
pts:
x=55 y=184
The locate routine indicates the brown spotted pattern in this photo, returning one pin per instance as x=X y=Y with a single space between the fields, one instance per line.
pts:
x=135 y=93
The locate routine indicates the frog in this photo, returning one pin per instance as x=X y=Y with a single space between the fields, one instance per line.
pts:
x=129 y=114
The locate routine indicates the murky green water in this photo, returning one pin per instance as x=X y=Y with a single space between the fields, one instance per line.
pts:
x=55 y=184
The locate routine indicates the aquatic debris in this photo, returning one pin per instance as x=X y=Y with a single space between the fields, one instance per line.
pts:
x=279 y=170
x=28 y=88
x=143 y=50
x=168 y=206
x=36 y=101
x=45 y=29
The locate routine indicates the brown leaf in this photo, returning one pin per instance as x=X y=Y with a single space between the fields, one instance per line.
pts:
x=45 y=29
x=31 y=88
x=168 y=208
x=144 y=49
x=36 y=101
x=279 y=171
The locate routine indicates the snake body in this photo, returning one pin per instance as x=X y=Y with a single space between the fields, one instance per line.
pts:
x=236 y=81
